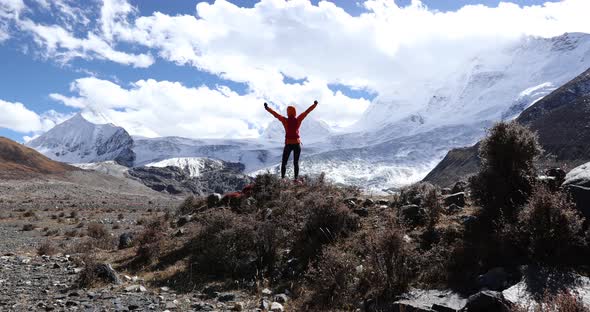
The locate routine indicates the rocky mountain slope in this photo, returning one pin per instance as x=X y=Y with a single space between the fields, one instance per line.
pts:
x=79 y=141
x=19 y=161
x=562 y=121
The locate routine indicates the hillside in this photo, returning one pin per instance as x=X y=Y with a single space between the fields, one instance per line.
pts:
x=562 y=121
x=18 y=161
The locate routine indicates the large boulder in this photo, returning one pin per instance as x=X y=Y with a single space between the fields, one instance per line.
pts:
x=495 y=279
x=419 y=300
x=412 y=213
x=577 y=184
x=457 y=199
x=537 y=281
x=487 y=301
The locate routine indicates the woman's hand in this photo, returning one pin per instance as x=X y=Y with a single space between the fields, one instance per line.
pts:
x=315 y=102
x=265 y=105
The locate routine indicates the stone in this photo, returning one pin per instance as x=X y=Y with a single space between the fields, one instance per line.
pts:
x=125 y=240
x=350 y=203
x=459 y=187
x=182 y=221
x=106 y=273
x=487 y=301
x=276 y=307
x=226 y=297
x=266 y=292
x=135 y=288
x=180 y=232
x=363 y=212
x=456 y=198
x=213 y=200
x=368 y=203
x=412 y=213
x=494 y=279
x=264 y=304
x=281 y=298
x=453 y=208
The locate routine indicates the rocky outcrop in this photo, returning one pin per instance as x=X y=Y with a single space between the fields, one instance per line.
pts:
x=174 y=180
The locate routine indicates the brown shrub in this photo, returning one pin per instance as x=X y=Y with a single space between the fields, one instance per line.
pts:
x=149 y=241
x=552 y=227
x=227 y=246
x=389 y=261
x=190 y=205
x=333 y=280
x=507 y=170
x=47 y=248
x=327 y=221
x=101 y=237
x=28 y=227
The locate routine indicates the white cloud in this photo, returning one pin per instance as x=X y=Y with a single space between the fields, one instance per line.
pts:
x=384 y=46
x=395 y=51
x=164 y=108
x=16 y=117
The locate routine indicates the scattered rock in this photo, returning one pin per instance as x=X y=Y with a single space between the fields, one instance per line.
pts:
x=276 y=307
x=264 y=304
x=456 y=198
x=459 y=187
x=106 y=273
x=125 y=240
x=266 y=292
x=182 y=221
x=213 y=200
x=281 y=298
x=363 y=212
x=453 y=208
x=227 y=297
x=368 y=203
x=135 y=288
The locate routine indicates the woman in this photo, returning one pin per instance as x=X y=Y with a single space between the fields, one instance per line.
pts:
x=292 y=139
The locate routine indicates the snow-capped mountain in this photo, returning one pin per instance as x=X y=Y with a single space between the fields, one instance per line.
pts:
x=393 y=145
x=197 y=166
x=312 y=130
x=79 y=141
x=398 y=140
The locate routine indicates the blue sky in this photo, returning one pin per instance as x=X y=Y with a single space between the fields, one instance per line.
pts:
x=32 y=72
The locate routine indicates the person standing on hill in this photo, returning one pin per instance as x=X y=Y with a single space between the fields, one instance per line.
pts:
x=292 y=140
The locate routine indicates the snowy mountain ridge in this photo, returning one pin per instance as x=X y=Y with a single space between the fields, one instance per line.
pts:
x=79 y=141
x=397 y=141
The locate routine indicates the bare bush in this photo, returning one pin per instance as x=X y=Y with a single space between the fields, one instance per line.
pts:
x=552 y=227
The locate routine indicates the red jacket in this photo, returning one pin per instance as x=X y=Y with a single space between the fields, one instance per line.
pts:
x=291 y=123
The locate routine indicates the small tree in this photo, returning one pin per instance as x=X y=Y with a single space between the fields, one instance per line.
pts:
x=507 y=171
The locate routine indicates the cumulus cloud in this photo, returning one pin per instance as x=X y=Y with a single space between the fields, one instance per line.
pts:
x=385 y=45
x=397 y=52
x=60 y=41
x=163 y=108
x=17 y=117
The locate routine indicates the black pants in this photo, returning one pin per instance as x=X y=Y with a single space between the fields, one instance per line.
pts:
x=296 y=148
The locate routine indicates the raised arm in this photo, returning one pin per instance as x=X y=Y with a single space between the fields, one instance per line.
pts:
x=305 y=113
x=277 y=115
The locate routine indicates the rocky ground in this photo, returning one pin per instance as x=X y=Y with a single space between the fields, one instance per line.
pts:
x=58 y=212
